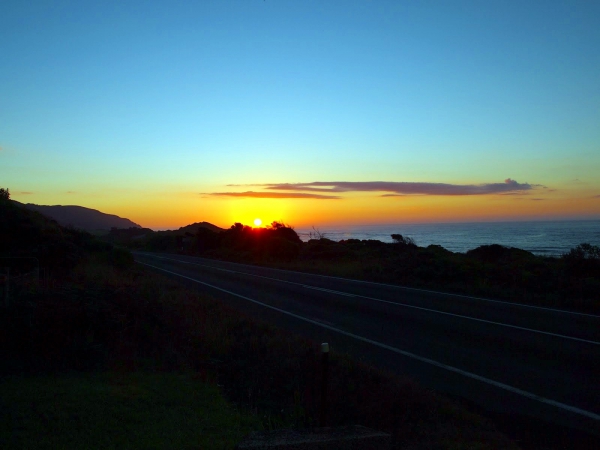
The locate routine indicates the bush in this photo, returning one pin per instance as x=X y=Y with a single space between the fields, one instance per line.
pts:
x=121 y=258
x=403 y=240
x=583 y=251
x=281 y=248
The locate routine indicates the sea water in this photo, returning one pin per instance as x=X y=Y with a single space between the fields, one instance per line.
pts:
x=547 y=238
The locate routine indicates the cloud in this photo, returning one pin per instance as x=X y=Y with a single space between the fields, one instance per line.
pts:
x=253 y=194
x=71 y=192
x=537 y=199
x=596 y=196
x=404 y=188
x=25 y=193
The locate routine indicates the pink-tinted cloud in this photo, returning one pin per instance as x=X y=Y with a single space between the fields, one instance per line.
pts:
x=404 y=188
x=253 y=194
x=518 y=193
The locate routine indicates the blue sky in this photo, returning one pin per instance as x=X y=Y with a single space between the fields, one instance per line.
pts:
x=141 y=108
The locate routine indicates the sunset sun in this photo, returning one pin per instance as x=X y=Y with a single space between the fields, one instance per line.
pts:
x=257 y=222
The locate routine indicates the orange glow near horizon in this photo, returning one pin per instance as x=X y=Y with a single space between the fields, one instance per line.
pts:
x=165 y=212
x=417 y=209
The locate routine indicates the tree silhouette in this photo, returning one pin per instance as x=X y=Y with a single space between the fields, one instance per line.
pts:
x=403 y=240
x=4 y=194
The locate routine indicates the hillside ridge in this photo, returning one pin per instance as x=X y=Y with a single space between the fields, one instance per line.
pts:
x=87 y=219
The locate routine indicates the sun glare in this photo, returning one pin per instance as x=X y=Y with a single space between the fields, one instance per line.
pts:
x=257 y=222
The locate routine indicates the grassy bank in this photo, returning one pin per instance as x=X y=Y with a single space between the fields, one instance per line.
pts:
x=110 y=318
x=117 y=410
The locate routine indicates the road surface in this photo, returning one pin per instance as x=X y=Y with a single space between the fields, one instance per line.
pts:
x=506 y=358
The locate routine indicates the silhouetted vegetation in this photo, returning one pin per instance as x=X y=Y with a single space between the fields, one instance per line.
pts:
x=278 y=242
x=403 y=240
x=571 y=281
x=127 y=236
x=28 y=234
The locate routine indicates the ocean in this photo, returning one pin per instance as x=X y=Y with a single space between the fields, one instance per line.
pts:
x=547 y=238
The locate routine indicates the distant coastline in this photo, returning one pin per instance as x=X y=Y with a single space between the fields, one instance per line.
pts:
x=545 y=238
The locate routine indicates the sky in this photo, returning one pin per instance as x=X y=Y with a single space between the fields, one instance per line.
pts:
x=313 y=113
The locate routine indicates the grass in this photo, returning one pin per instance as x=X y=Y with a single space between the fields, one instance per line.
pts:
x=115 y=411
x=131 y=321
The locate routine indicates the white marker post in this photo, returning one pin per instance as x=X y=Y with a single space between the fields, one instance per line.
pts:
x=325 y=359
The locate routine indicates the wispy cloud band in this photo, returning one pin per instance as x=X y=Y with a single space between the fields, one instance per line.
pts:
x=253 y=194
x=403 y=188
x=325 y=189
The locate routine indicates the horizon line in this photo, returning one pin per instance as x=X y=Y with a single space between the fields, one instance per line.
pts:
x=357 y=225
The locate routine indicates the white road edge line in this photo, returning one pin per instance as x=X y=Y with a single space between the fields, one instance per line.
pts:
x=399 y=287
x=531 y=330
x=497 y=384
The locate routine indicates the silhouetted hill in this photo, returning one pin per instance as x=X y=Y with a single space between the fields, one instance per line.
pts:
x=25 y=233
x=193 y=228
x=82 y=218
x=167 y=240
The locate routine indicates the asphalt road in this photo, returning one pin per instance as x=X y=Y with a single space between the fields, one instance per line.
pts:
x=506 y=358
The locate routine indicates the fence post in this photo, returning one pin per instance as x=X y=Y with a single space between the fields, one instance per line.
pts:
x=325 y=364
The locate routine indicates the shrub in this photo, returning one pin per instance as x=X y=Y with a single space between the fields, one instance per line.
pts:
x=403 y=240
x=121 y=258
x=281 y=248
